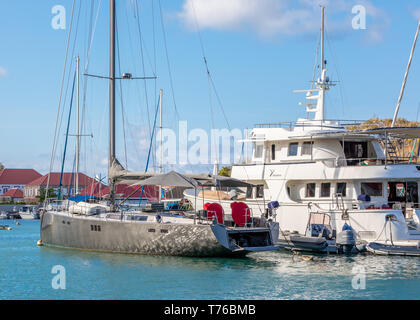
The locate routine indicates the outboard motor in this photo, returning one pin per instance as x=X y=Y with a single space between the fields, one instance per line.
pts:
x=272 y=206
x=346 y=239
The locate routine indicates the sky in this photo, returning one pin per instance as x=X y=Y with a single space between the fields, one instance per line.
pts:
x=257 y=52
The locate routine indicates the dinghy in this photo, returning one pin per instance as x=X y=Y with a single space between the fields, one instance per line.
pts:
x=396 y=250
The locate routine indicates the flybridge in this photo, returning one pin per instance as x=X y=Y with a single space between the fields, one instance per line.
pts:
x=309 y=123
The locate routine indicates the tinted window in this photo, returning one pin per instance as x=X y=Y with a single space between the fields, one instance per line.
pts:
x=273 y=152
x=310 y=190
x=259 y=150
x=249 y=192
x=372 y=188
x=325 y=189
x=260 y=191
x=307 y=148
x=293 y=149
x=341 y=188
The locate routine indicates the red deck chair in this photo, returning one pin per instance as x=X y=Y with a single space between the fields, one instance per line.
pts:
x=240 y=213
x=214 y=209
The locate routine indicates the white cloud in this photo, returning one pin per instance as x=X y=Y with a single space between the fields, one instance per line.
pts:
x=416 y=14
x=3 y=72
x=280 y=17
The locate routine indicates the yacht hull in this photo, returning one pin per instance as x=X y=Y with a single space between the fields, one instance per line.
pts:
x=95 y=234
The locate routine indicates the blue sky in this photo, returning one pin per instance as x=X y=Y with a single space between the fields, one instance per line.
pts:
x=258 y=52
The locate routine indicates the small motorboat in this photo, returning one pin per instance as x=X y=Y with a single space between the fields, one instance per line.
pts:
x=3 y=215
x=393 y=249
x=321 y=238
x=5 y=227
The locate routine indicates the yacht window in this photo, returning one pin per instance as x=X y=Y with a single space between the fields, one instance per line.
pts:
x=258 y=151
x=260 y=191
x=355 y=151
x=293 y=149
x=310 y=190
x=273 y=152
x=307 y=148
x=341 y=188
x=325 y=189
x=372 y=188
x=249 y=192
x=412 y=192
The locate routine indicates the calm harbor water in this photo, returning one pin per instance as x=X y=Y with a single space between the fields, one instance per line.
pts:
x=25 y=273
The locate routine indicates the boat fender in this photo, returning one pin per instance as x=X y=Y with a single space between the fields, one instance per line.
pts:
x=346 y=227
x=158 y=218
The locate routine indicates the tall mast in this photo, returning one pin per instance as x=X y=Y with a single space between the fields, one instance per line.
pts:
x=77 y=129
x=161 y=133
x=112 y=105
x=322 y=84
x=161 y=141
x=322 y=37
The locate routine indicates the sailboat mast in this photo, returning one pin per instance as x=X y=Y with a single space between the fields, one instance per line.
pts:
x=161 y=133
x=77 y=129
x=161 y=141
x=112 y=105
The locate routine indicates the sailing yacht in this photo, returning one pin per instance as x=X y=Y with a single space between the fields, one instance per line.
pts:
x=315 y=167
x=113 y=228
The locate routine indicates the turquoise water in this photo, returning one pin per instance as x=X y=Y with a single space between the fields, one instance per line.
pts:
x=25 y=273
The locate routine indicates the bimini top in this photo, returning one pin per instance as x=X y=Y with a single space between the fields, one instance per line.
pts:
x=395 y=132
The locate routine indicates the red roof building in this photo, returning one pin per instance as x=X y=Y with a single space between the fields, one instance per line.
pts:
x=67 y=180
x=33 y=189
x=13 y=195
x=93 y=189
x=16 y=179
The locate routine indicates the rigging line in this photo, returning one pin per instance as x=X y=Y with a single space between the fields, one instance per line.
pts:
x=121 y=94
x=155 y=63
x=147 y=55
x=150 y=147
x=138 y=90
x=67 y=137
x=343 y=96
x=59 y=102
x=143 y=66
x=83 y=124
x=206 y=64
x=208 y=73
x=316 y=61
x=92 y=31
x=167 y=60
x=142 y=49
x=71 y=66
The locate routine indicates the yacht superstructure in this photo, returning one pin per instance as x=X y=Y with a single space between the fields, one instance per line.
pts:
x=315 y=165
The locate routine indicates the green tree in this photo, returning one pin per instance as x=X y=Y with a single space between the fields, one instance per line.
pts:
x=225 y=171
x=1 y=166
x=51 y=194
